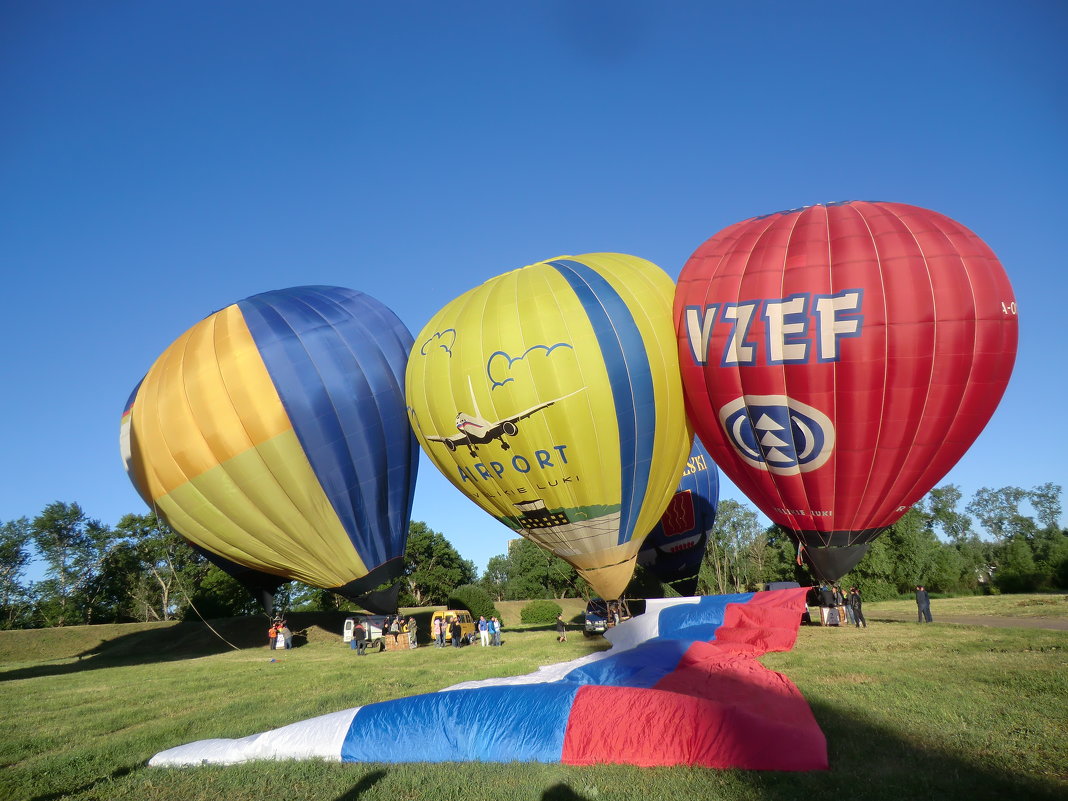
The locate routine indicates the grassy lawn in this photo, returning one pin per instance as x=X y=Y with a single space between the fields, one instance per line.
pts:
x=1023 y=606
x=910 y=712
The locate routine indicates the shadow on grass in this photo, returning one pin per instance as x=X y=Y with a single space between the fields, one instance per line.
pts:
x=362 y=786
x=187 y=640
x=114 y=775
x=867 y=763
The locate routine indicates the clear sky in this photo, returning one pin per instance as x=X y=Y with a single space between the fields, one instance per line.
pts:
x=159 y=161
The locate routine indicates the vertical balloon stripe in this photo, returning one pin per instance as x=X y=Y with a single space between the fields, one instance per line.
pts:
x=631 y=382
x=321 y=356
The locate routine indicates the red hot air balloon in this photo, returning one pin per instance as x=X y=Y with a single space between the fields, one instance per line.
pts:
x=838 y=360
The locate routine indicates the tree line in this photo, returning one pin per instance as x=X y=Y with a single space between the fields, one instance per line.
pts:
x=1002 y=540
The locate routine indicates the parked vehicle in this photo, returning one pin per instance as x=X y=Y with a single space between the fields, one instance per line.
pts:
x=372 y=625
x=601 y=615
x=468 y=633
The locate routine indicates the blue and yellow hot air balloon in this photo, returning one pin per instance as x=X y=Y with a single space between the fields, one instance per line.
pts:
x=551 y=397
x=273 y=434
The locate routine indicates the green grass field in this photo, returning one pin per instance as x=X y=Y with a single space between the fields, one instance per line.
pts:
x=910 y=712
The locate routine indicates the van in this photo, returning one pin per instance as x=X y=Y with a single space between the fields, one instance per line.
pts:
x=468 y=634
x=372 y=625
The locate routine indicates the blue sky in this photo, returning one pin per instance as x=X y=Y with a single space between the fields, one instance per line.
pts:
x=161 y=160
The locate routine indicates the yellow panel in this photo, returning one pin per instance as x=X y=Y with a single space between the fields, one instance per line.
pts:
x=216 y=398
x=292 y=532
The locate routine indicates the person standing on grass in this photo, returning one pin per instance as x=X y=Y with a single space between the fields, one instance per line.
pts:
x=483 y=631
x=286 y=634
x=923 y=605
x=495 y=631
x=272 y=635
x=826 y=604
x=853 y=604
x=413 y=630
x=359 y=638
x=561 y=628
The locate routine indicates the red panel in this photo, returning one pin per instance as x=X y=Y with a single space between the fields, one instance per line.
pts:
x=720 y=708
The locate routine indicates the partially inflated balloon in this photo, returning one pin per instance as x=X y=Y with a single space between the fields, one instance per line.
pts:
x=550 y=396
x=273 y=434
x=674 y=549
x=838 y=360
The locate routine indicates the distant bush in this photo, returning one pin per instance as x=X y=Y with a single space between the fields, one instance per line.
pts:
x=540 y=612
x=475 y=600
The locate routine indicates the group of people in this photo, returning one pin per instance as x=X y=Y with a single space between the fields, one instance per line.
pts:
x=489 y=631
x=396 y=625
x=837 y=608
x=834 y=606
x=450 y=630
x=279 y=636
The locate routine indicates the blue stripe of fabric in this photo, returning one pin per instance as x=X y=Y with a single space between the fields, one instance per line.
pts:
x=679 y=627
x=630 y=378
x=699 y=621
x=524 y=723
x=337 y=358
x=643 y=666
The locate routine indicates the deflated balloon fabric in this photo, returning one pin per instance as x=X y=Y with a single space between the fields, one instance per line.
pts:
x=680 y=686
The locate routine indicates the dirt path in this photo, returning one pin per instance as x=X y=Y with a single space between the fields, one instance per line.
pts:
x=1055 y=624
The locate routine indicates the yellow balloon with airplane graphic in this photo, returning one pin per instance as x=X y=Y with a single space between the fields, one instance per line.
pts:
x=551 y=397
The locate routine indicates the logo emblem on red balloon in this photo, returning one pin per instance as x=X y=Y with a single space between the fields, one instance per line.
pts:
x=777 y=433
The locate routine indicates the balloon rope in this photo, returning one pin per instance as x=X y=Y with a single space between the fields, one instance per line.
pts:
x=189 y=599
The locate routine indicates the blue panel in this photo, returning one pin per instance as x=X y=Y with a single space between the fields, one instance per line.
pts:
x=629 y=374
x=524 y=723
x=699 y=621
x=643 y=666
x=326 y=347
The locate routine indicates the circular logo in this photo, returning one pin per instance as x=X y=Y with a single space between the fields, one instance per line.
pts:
x=777 y=433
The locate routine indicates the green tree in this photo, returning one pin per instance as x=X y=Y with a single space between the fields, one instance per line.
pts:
x=74 y=547
x=154 y=557
x=15 y=607
x=941 y=505
x=727 y=566
x=495 y=578
x=1017 y=570
x=530 y=571
x=998 y=511
x=432 y=568
x=1046 y=500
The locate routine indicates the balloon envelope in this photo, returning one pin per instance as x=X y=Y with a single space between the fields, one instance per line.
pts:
x=838 y=360
x=675 y=547
x=550 y=396
x=273 y=434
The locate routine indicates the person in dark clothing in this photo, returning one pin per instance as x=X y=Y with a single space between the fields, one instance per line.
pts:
x=826 y=604
x=854 y=602
x=359 y=639
x=455 y=631
x=923 y=605
x=561 y=629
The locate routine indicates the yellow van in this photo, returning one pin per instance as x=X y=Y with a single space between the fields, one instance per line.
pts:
x=468 y=634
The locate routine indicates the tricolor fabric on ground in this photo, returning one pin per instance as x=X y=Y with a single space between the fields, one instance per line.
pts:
x=680 y=686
